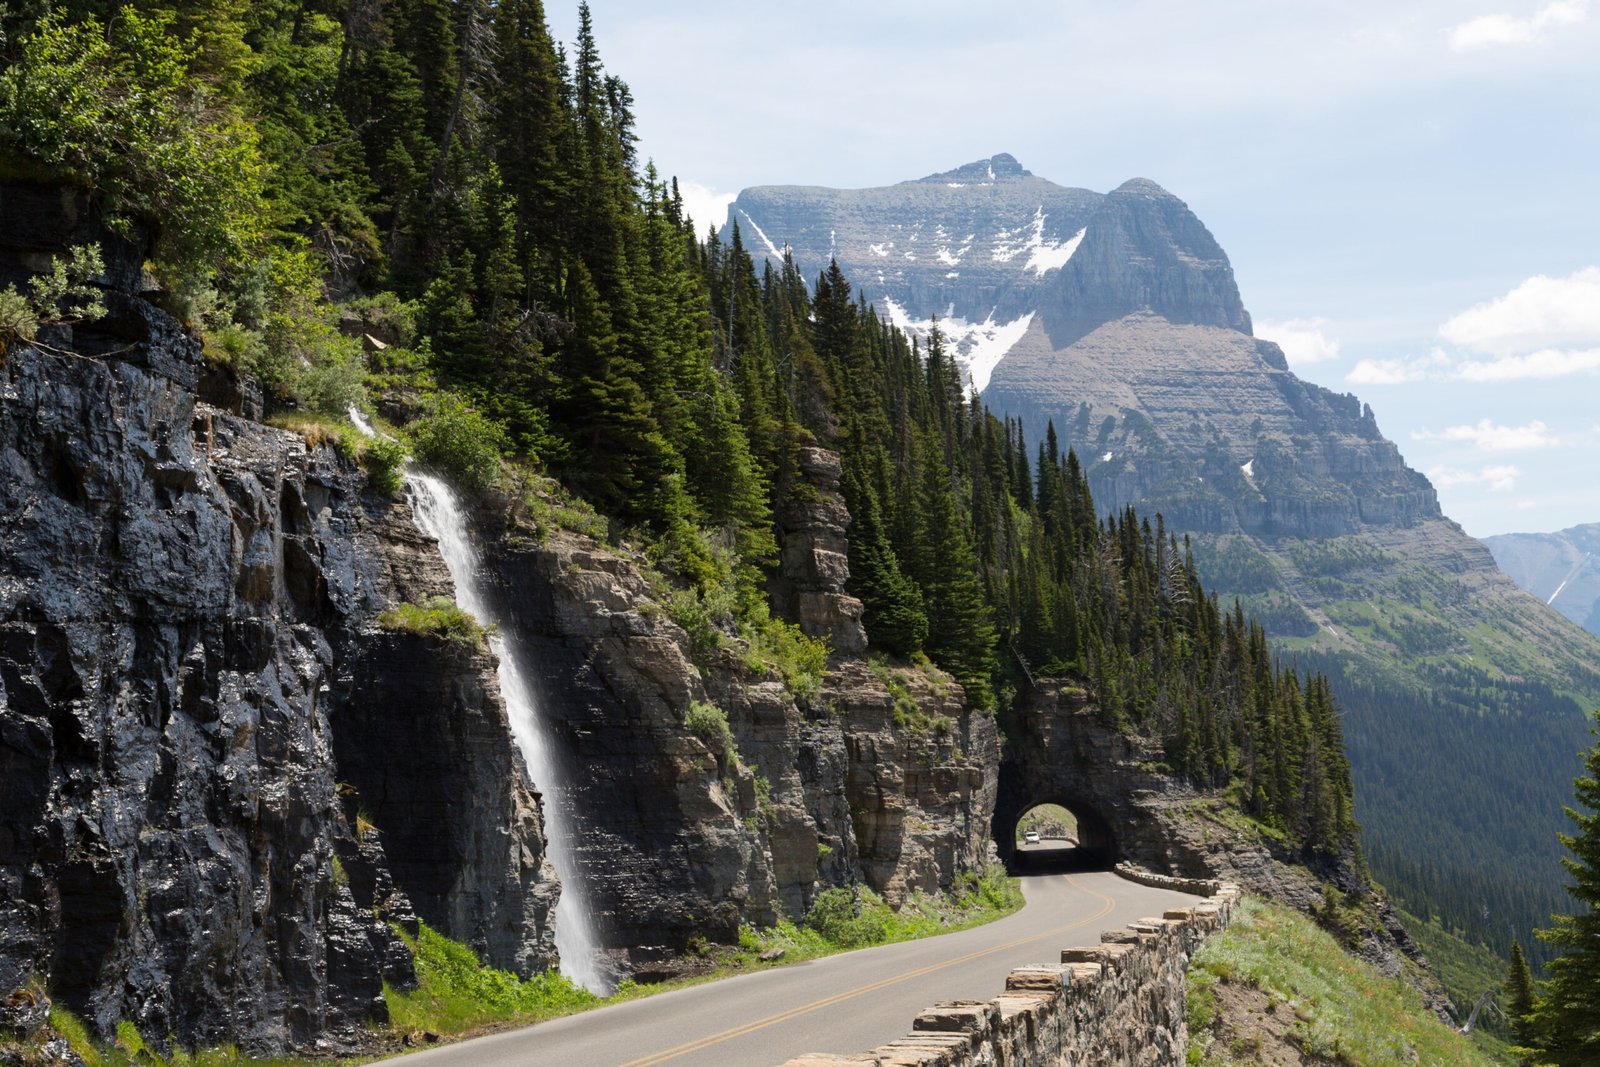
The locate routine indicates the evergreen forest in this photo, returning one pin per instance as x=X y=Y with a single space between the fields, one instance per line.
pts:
x=529 y=295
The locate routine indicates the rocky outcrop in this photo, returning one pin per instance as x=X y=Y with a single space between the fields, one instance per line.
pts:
x=881 y=777
x=816 y=557
x=1116 y=1004
x=1061 y=750
x=186 y=602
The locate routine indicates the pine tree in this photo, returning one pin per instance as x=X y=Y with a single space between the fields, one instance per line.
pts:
x=1519 y=997
x=961 y=636
x=894 y=616
x=1566 y=1019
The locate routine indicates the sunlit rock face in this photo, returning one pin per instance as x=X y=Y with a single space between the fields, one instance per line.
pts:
x=1114 y=316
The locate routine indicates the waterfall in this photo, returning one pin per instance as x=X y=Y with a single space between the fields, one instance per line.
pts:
x=438 y=514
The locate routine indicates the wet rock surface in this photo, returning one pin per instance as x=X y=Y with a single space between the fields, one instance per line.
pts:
x=426 y=749
x=186 y=598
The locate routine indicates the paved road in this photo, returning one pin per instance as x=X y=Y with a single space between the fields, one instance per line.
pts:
x=846 y=1003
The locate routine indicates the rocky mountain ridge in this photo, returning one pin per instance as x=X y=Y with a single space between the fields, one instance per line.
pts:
x=1122 y=327
x=1562 y=569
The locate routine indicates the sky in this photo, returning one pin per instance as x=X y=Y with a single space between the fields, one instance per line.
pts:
x=1409 y=192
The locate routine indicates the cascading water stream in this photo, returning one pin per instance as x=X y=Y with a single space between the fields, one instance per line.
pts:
x=438 y=514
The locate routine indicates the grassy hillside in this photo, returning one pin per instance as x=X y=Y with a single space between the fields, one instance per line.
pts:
x=1275 y=988
x=1467 y=970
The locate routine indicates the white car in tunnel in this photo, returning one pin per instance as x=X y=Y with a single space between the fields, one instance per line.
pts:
x=1031 y=837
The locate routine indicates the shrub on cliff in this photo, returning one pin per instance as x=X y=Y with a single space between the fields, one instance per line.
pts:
x=114 y=106
x=460 y=443
x=62 y=296
x=710 y=724
x=438 y=616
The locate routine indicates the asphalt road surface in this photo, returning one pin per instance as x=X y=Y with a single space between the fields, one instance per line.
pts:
x=851 y=1002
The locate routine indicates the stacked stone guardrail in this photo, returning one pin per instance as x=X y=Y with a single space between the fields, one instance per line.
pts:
x=1116 y=1004
x=1200 y=887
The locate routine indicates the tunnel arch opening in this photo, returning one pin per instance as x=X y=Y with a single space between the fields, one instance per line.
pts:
x=1055 y=833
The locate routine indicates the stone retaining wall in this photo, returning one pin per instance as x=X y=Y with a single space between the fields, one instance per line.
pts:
x=1200 y=887
x=1116 y=1004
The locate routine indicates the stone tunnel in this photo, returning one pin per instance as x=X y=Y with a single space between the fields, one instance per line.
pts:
x=1060 y=751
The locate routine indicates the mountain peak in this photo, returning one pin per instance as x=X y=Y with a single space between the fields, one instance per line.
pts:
x=993 y=169
x=1141 y=187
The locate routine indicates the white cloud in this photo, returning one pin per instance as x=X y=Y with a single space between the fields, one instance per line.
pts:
x=1489 y=31
x=1435 y=364
x=705 y=205
x=1548 y=363
x=1542 y=311
x=1498 y=479
x=1302 y=340
x=1493 y=438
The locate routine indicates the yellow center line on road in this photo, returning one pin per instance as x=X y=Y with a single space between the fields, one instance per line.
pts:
x=773 y=1020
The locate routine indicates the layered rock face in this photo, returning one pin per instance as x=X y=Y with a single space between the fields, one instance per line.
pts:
x=881 y=778
x=1206 y=425
x=186 y=600
x=816 y=558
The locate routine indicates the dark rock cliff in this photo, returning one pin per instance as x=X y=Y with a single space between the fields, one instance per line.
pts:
x=186 y=627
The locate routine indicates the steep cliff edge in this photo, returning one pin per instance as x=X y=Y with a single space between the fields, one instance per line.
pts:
x=187 y=600
x=881 y=777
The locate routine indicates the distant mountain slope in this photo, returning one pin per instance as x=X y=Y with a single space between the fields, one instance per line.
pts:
x=1562 y=569
x=1116 y=318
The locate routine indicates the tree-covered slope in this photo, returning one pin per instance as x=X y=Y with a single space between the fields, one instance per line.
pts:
x=429 y=210
x=1114 y=319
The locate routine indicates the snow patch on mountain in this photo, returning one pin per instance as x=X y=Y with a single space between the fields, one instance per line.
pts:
x=1044 y=254
x=978 y=347
x=771 y=248
x=1052 y=255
